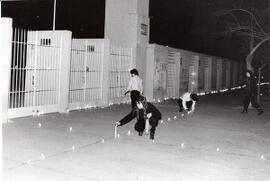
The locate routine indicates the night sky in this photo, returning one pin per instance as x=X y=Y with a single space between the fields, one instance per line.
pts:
x=185 y=24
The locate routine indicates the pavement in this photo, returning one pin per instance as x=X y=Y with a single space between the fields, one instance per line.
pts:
x=216 y=143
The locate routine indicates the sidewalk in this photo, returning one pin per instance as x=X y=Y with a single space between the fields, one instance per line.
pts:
x=215 y=143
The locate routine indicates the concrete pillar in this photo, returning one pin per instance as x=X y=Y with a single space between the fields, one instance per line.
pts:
x=5 y=64
x=105 y=73
x=177 y=74
x=127 y=24
x=219 y=74
x=208 y=75
x=64 y=69
x=150 y=64
x=228 y=74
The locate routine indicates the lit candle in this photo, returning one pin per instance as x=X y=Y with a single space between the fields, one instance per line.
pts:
x=182 y=145
x=42 y=156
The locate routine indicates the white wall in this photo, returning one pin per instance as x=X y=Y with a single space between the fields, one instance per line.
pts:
x=5 y=57
x=5 y=63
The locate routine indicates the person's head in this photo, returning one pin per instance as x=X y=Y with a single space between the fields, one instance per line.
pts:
x=249 y=73
x=134 y=72
x=142 y=100
x=141 y=104
x=194 y=97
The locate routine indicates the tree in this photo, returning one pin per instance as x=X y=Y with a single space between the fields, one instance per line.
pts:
x=252 y=26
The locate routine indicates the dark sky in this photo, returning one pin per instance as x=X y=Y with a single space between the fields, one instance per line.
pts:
x=185 y=24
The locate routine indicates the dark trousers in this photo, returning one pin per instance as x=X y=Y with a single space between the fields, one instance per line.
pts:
x=134 y=95
x=180 y=104
x=140 y=125
x=250 y=98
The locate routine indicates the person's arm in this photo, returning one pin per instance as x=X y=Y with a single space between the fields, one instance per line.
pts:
x=151 y=109
x=126 y=119
x=193 y=106
x=129 y=86
x=141 y=87
x=184 y=103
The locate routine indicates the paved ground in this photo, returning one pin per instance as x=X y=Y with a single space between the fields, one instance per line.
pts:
x=215 y=143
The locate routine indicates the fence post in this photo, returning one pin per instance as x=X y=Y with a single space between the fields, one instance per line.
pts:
x=105 y=73
x=5 y=64
x=64 y=71
x=150 y=68
x=219 y=75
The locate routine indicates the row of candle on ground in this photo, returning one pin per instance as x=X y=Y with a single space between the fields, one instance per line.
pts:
x=38 y=113
x=182 y=146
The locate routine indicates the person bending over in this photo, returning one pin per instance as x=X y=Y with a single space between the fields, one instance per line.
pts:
x=145 y=112
x=187 y=102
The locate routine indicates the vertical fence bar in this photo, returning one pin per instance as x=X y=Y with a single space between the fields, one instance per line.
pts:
x=20 y=66
x=34 y=77
x=24 y=64
x=16 y=68
x=12 y=69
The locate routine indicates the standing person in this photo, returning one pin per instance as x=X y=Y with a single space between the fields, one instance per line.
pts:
x=251 y=93
x=143 y=111
x=134 y=87
x=187 y=102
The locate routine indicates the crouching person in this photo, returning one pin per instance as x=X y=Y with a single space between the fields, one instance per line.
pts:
x=187 y=102
x=147 y=117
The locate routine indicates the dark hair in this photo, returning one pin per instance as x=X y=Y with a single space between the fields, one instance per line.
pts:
x=134 y=71
x=141 y=99
x=250 y=72
x=194 y=97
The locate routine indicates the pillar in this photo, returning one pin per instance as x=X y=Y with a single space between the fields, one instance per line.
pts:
x=127 y=25
x=64 y=69
x=5 y=64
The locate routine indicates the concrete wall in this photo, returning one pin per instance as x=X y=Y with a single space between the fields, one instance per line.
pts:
x=196 y=70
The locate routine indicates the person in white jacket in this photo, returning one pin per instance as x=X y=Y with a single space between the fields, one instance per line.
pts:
x=187 y=102
x=135 y=87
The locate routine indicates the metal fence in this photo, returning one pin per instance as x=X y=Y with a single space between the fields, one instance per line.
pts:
x=34 y=71
x=87 y=57
x=120 y=63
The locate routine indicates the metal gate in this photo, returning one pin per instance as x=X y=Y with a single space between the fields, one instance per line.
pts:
x=120 y=64
x=172 y=73
x=34 y=75
x=87 y=58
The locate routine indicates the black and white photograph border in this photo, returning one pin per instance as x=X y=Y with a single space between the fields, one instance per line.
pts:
x=135 y=90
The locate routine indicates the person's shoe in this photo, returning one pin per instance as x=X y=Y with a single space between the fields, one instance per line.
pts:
x=140 y=133
x=244 y=111
x=152 y=136
x=260 y=112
